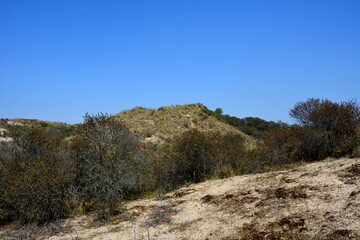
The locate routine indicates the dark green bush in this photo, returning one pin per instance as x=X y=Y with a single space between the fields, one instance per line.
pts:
x=255 y=127
x=217 y=113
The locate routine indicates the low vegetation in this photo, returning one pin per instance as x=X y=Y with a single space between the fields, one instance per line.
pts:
x=196 y=156
x=56 y=130
x=36 y=178
x=96 y=165
x=325 y=129
x=108 y=161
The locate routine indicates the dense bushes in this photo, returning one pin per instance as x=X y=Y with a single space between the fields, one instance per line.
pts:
x=342 y=117
x=326 y=129
x=255 y=127
x=108 y=161
x=189 y=158
x=335 y=122
x=232 y=150
x=196 y=156
x=36 y=178
x=45 y=177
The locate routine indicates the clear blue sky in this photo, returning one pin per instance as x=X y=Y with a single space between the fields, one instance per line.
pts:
x=60 y=59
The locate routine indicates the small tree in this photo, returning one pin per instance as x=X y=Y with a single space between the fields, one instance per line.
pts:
x=336 y=122
x=109 y=161
x=339 y=118
x=218 y=111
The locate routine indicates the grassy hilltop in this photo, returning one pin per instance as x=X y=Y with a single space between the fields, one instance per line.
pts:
x=160 y=124
x=55 y=129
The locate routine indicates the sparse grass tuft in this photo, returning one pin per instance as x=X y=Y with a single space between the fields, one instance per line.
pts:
x=160 y=214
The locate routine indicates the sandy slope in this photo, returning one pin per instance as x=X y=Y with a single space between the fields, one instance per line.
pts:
x=315 y=201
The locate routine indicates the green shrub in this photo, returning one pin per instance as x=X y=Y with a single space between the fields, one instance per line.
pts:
x=217 y=113
x=255 y=127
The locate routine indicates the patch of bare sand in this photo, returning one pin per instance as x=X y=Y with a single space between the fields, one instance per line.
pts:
x=315 y=201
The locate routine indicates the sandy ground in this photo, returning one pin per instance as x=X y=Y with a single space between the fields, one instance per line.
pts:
x=314 y=201
x=5 y=139
x=2 y=135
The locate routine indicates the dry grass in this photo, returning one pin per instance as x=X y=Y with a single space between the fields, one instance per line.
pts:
x=157 y=125
x=160 y=214
x=58 y=129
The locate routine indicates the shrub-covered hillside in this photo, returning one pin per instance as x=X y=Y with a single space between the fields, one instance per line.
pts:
x=54 y=129
x=104 y=161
